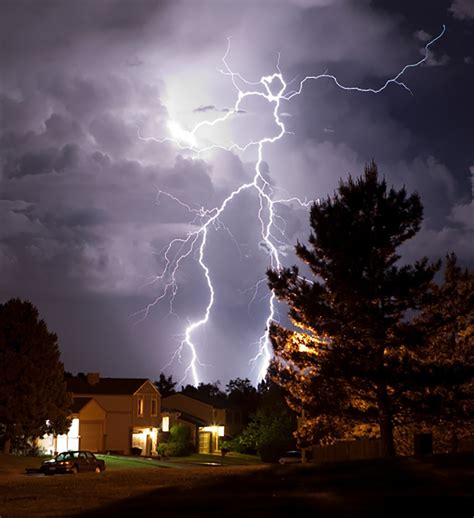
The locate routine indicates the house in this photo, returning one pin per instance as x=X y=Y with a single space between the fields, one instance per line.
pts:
x=110 y=414
x=206 y=420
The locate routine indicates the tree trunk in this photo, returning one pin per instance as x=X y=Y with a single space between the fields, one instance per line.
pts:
x=386 y=423
x=386 y=433
x=454 y=442
x=7 y=446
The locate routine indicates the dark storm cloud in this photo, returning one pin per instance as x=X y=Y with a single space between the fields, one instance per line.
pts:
x=204 y=109
x=83 y=231
x=462 y=9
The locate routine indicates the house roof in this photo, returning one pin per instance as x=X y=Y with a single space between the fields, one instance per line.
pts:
x=201 y=398
x=79 y=403
x=109 y=386
x=185 y=416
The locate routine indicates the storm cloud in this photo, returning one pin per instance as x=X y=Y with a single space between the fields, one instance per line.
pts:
x=84 y=84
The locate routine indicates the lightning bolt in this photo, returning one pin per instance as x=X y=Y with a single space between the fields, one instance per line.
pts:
x=274 y=89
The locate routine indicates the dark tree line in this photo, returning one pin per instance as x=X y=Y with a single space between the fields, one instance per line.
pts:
x=33 y=397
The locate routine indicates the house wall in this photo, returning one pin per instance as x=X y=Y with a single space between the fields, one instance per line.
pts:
x=92 y=424
x=51 y=444
x=116 y=419
x=203 y=411
x=147 y=392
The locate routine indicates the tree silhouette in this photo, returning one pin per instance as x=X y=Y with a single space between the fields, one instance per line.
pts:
x=207 y=392
x=33 y=400
x=166 y=385
x=352 y=317
x=243 y=395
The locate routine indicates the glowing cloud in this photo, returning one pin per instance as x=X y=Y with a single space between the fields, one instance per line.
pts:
x=274 y=90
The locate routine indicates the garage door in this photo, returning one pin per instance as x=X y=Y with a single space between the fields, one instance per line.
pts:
x=90 y=436
x=204 y=442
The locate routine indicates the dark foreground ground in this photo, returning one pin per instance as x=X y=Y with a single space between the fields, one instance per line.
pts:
x=438 y=486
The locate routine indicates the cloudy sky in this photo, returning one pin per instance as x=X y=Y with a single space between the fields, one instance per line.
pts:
x=87 y=93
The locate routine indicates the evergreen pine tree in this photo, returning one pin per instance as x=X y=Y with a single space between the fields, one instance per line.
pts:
x=352 y=316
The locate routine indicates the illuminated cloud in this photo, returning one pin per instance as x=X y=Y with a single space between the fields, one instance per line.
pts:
x=82 y=229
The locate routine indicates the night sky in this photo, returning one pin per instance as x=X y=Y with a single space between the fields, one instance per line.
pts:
x=82 y=232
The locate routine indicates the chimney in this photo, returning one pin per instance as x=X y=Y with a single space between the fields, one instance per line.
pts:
x=93 y=378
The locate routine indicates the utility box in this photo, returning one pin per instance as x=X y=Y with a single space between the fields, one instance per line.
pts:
x=423 y=444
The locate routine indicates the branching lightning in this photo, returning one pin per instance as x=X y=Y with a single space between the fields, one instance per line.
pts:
x=204 y=220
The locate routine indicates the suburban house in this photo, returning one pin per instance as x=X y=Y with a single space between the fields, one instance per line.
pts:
x=120 y=414
x=110 y=414
x=206 y=420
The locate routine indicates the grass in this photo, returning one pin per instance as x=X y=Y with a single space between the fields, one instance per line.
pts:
x=15 y=464
x=118 y=462
x=435 y=486
x=230 y=459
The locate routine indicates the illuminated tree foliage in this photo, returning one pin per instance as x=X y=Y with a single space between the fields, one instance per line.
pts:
x=341 y=367
x=446 y=401
x=32 y=386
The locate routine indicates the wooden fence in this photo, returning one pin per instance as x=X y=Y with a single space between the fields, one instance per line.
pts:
x=348 y=450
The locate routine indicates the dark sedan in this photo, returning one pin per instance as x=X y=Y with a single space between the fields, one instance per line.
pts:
x=73 y=462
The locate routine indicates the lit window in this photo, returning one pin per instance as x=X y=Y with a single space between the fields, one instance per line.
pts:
x=140 y=406
x=165 y=424
x=154 y=406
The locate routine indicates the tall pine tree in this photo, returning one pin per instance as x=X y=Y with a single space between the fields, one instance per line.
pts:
x=352 y=316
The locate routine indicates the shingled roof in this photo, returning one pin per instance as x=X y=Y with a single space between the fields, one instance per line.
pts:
x=105 y=386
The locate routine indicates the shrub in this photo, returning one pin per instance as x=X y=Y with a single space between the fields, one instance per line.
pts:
x=179 y=443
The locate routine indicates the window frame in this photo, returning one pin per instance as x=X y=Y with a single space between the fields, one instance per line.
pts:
x=154 y=403
x=140 y=406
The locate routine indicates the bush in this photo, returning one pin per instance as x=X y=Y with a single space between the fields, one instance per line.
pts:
x=174 y=449
x=179 y=443
x=136 y=451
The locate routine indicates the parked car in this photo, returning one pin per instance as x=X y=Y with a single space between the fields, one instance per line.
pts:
x=291 y=457
x=73 y=462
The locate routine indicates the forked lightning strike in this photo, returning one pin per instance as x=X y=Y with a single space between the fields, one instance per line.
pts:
x=194 y=243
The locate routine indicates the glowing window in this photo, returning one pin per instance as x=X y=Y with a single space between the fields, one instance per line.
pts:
x=165 y=424
x=154 y=406
x=140 y=406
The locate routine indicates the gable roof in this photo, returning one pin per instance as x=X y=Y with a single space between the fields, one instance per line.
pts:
x=185 y=416
x=79 y=403
x=105 y=386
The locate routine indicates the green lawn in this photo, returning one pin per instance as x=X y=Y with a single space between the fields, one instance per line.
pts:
x=115 y=462
x=230 y=459
x=13 y=464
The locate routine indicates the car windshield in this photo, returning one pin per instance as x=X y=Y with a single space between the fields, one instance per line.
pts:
x=67 y=455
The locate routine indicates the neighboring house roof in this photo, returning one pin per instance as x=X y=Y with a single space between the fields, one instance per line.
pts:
x=79 y=403
x=203 y=399
x=108 y=386
x=185 y=416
